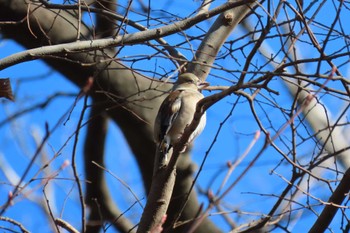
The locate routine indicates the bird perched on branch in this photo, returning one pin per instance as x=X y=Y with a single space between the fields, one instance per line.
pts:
x=175 y=113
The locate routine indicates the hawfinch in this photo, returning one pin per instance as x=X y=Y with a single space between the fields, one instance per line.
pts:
x=175 y=113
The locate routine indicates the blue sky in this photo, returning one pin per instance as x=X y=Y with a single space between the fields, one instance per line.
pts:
x=34 y=81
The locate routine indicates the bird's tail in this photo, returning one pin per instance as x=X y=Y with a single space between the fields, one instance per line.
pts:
x=161 y=157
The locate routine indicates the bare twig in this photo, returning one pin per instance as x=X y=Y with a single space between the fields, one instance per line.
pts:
x=75 y=172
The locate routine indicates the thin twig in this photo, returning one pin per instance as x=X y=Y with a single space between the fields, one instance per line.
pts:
x=75 y=172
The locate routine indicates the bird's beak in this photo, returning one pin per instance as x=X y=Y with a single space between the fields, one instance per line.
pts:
x=202 y=85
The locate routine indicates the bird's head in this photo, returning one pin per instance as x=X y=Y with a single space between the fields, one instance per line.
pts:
x=189 y=80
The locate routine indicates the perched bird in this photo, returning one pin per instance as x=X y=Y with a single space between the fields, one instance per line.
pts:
x=175 y=113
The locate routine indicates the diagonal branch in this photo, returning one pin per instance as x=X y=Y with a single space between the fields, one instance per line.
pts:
x=329 y=211
x=127 y=39
x=216 y=37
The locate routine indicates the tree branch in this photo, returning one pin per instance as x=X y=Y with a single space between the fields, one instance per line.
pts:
x=97 y=195
x=329 y=211
x=126 y=39
x=216 y=37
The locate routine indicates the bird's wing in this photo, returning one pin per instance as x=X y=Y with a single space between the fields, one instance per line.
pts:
x=167 y=114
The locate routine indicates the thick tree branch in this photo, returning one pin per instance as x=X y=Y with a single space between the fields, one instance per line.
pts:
x=329 y=211
x=97 y=193
x=216 y=37
x=105 y=26
x=127 y=39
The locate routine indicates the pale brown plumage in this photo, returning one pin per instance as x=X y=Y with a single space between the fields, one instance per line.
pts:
x=175 y=113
